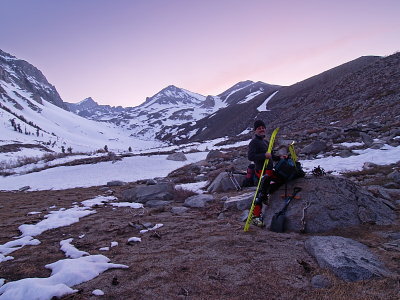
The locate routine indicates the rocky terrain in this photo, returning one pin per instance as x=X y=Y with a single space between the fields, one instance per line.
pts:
x=202 y=252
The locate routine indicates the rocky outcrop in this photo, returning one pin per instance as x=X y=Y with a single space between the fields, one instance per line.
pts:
x=355 y=94
x=346 y=258
x=179 y=156
x=223 y=182
x=145 y=193
x=198 y=200
x=333 y=202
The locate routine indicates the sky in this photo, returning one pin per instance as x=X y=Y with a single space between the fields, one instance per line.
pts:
x=120 y=52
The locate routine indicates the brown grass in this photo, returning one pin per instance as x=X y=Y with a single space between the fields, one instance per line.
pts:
x=181 y=194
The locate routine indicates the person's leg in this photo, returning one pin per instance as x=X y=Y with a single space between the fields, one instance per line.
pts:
x=275 y=183
x=262 y=197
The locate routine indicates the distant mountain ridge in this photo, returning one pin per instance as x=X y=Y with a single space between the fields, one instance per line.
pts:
x=314 y=102
x=167 y=114
x=88 y=108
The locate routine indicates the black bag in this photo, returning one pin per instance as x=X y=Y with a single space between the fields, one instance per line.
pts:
x=278 y=222
x=251 y=178
x=287 y=169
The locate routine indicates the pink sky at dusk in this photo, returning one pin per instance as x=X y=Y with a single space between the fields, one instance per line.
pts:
x=119 y=52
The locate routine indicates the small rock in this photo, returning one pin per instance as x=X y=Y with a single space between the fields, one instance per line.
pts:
x=369 y=165
x=214 y=154
x=151 y=182
x=115 y=281
x=24 y=188
x=157 y=203
x=320 y=282
x=244 y=215
x=116 y=183
x=178 y=210
x=367 y=140
x=198 y=200
x=345 y=153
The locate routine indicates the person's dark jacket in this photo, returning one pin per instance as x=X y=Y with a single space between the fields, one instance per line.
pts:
x=256 y=153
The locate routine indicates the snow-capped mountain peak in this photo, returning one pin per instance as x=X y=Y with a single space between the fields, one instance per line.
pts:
x=173 y=95
x=87 y=103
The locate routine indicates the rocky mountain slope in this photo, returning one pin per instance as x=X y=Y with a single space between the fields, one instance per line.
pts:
x=355 y=94
x=352 y=95
x=15 y=72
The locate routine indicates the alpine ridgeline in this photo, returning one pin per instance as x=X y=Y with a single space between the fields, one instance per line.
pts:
x=359 y=96
x=171 y=114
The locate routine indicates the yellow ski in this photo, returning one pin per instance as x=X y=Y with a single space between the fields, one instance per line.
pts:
x=292 y=152
x=270 y=145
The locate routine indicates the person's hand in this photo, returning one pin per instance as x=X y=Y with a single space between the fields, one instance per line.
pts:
x=268 y=155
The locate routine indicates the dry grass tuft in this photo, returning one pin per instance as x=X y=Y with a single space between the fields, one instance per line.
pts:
x=181 y=194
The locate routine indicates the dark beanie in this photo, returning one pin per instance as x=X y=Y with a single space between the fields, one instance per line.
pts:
x=258 y=123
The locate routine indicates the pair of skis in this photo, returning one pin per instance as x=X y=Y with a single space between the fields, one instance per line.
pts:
x=270 y=146
x=233 y=180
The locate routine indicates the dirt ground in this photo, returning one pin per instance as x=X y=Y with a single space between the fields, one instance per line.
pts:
x=199 y=254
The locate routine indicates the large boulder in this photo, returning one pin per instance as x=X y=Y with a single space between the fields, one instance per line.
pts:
x=346 y=258
x=214 y=154
x=198 y=200
x=223 y=183
x=143 y=193
x=240 y=202
x=240 y=163
x=315 y=147
x=395 y=176
x=178 y=156
x=367 y=139
x=334 y=202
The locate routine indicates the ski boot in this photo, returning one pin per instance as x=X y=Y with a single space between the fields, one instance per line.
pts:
x=258 y=221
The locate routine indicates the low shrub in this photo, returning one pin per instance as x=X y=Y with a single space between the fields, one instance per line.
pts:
x=181 y=194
